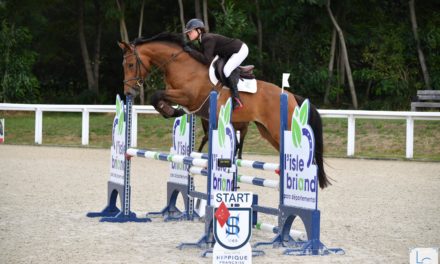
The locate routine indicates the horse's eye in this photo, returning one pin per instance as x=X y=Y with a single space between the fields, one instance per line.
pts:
x=130 y=65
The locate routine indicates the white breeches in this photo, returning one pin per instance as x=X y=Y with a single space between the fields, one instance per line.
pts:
x=235 y=60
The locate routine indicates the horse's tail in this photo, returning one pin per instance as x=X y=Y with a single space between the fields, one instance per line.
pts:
x=316 y=124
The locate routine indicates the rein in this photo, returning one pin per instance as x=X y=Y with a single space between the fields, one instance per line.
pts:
x=139 y=80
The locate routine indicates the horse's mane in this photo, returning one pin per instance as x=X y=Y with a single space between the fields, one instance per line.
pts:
x=164 y=36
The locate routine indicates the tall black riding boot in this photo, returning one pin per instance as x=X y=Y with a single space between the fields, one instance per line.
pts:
x=232 y=83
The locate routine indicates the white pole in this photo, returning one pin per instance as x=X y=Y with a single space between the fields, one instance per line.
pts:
x=85 y=127
x=351 y=135
x=285 y=82
x=134 y=128
x=38 y=126
x=409 y=137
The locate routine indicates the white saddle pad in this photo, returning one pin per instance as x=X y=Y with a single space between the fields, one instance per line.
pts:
x=244 y=85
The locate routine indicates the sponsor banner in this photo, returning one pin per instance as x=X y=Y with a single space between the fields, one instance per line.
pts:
x=223 y=148
x=117 y=157
x=181 y=146
x=300 y=174
x=232 y=227
x=222 y=177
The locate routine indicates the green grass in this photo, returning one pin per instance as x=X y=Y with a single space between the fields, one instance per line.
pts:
x=374 y=138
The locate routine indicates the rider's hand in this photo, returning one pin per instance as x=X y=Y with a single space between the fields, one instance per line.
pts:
x=187 y=48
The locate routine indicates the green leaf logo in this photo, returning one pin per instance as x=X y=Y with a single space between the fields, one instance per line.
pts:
x=227 y=113
x=121 y=122
x=296 y=133
x=224 y=118
x=118 y=105
x=304 y=113
x=120 y=114
x=183 y=121
x=221 y=113
x=221 y=131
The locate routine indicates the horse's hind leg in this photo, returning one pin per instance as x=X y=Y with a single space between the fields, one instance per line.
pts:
x=205 y=126
x=240 y=147
x=265 y=134
x=202 y=144
x=243 y=133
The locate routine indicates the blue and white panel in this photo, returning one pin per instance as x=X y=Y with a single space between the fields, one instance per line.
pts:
x=117 y=156
x=300 y=174
x=181 y=146
x=223 y=147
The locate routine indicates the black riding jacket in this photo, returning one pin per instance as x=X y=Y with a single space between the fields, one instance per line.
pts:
x=214 y=44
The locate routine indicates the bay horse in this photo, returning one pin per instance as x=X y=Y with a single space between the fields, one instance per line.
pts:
x=238 y=126
x=187 y=84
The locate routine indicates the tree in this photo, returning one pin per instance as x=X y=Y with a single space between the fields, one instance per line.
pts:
x=330 y=68
x=122 y=25
x=197 y=9
x=344 y=58
x=141 y=19
x=231 y=21
x=91 y=65
x=18 y=83
x=419 y=48
x=182 y=15
x=205 y=15
x=260 y=33
x=283 y=36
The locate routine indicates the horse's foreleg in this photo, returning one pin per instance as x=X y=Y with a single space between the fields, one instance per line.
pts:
x=160 y=102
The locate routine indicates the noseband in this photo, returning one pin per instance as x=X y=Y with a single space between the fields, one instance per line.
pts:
x=139 y=80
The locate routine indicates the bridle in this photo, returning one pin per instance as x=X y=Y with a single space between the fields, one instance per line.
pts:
x=139 y=80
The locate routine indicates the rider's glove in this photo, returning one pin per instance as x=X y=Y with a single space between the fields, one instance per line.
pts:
x=187 y=48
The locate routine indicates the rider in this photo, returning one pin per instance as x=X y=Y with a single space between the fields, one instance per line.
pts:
x=234 y=50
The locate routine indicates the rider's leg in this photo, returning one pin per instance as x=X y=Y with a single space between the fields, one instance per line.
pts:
x=232 y=84
x=233 y=76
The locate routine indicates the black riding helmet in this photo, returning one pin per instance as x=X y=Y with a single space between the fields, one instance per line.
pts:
x=194 y=23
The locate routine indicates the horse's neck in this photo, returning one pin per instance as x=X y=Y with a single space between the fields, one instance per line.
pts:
x=181 y=71
x=159 y=53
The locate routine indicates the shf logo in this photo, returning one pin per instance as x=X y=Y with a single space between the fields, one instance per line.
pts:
x=232 y=219
x=236 y=231
x=423 y=256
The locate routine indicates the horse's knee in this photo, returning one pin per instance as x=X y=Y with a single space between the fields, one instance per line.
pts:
x=157 y=96
x=167 y=111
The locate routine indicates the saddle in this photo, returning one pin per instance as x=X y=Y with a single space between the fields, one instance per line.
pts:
x=245 y=72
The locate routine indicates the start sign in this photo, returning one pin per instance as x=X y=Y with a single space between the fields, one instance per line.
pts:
x=232 y=227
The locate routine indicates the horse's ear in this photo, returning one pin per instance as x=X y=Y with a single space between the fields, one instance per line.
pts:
x=124 y=46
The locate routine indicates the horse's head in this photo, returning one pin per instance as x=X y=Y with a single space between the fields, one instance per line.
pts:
x=135 y=69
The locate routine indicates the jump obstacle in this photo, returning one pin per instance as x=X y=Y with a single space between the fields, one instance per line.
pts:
x=204 y=164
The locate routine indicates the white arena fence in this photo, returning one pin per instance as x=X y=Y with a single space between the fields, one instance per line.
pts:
x=350 y=115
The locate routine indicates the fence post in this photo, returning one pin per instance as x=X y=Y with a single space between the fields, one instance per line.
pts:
x=38 y=126
x=409 y=137
x=351 y=135
x=85 y=127
x=134 y=128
